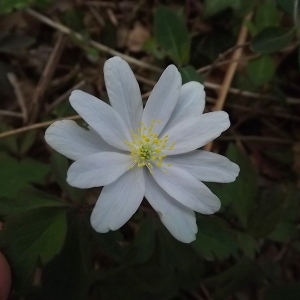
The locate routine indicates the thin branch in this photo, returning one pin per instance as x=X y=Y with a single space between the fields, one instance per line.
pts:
x=66 y=30
x=225 y=62
x=235 y=91
x=232 y=68
x=222 y=57
x=253 y=138
x=257 y=111
x=101 y=3
x=112 y=17
x=137 y=62
x=11 y=114
x=64 y=96
x=295 y=15
x=97 y=16
x=20 y=97
x=34 y=126
x=47 y=75
x=223 y=92
x=215 y=86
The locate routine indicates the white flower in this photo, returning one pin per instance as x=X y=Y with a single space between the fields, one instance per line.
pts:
x=135 y=152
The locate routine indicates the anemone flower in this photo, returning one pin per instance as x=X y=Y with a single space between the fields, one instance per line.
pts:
x=151 y=152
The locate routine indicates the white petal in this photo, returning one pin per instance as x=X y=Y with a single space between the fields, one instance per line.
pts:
x=119 y=201
x=73 y=141
x=197 y=131
x=187 y=189
x=190 y=104
x=206 y=166
x=102 y=117
x=123 y=91
x=179 y=220
x=98 y=169
x=163 y=99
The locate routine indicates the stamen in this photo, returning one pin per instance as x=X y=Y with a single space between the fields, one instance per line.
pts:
x=146 y=147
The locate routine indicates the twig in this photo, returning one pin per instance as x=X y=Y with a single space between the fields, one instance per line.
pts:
x=47 y=75
x=112 y=17
x=101 y=3
x=60 y=81
x=223 y=55
x=225 y=62
x=254 y=138
x=65 y=95
x=77 y=117
x=34 y=126
x=137 y=62
x=215 y=86
x=97 y=16
x=11 y=114
x=223 y=92
x=93 y=43
x=231 y=70
x=296 y=11
x=257 y=111
x=20 y=98
x=145 y=80
x=145 y=95
x=206 y=292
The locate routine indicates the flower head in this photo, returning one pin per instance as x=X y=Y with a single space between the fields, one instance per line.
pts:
x=135 y=152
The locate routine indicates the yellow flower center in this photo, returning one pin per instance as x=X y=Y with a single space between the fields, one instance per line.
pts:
x=146 y=148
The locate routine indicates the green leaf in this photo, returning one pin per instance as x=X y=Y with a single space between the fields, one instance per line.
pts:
x=43 y=4
x=247 y=243
x=17 y=145
x=60 y=166
x=266 y=213
x=73 y=18
x=214 y=239
x=180 y=259
x=266 y=15
x=27 y=141
x=284 y=232
x=171 y=34
x=286 y=5
x=68 y=274
x=251 y=27
x=245 y=272
x=189 y=73
x=296 y=245
x=6 y=6
x=281 y=156
x=16 y=174
x=27 y=236
x=153 y=48
x=27 y=199
x=146 y=281
x=261 y=70
x=145 y=241
x=213 y=7
x=110 y=244
x=213 y=44
x=291 y=203
x=8 y=144
x=283 y=292
x=242 y=192
x=272 y=39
